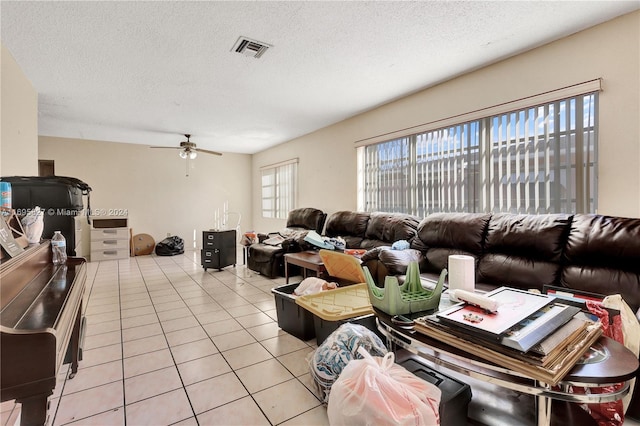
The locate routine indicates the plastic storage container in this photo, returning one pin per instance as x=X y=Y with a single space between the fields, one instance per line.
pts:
x=5 y=197
x=332 y=308
x=59 y=248
x=292 y=318
x=60 y=197
x=455 y=398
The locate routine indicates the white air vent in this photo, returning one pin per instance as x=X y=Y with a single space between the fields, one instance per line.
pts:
x=251 y=48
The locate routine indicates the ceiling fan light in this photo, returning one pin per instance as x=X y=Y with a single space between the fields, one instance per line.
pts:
x=193 y=155
x=183 y=154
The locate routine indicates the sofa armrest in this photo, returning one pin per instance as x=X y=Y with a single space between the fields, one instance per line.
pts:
x=395 y=261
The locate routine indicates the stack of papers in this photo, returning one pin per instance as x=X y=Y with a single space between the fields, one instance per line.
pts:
x=550 y=368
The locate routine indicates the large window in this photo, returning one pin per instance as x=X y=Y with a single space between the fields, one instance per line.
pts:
x=279 y=189
x=539 y=159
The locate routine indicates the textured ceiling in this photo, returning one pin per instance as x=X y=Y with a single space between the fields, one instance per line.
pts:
x=147 y=72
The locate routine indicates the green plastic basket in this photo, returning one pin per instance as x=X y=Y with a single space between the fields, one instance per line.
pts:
x=408 y=298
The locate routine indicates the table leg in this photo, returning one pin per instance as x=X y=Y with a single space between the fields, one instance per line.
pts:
x=543 y=410
x=322 y=272
x=286 y=271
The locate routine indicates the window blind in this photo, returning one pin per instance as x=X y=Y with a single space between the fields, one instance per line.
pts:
x=537 y=159
x=279 y=189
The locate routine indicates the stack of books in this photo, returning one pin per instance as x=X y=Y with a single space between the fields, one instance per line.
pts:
x=534 y=334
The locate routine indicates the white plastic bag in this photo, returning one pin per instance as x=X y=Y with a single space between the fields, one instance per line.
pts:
x=338 y=349
x=313 y=285
x=33 y=224
x=376 y=391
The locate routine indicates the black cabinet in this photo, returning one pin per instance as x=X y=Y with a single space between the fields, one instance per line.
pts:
x=60 y=197
x=218 y=249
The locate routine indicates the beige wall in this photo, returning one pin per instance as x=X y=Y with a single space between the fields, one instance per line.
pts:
x=610 y=51
x=19 y=112
x=151 y=184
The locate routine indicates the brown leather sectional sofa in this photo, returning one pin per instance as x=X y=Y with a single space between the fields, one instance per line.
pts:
x=593 y=253
x=587 y=252
x=268 y=259
x=370 y=230
x=358 y=229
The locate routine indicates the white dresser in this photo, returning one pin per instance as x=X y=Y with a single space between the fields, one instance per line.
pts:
x=109 y=238
x=79 y=237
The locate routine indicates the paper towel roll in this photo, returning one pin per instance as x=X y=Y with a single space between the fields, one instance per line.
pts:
x=462 y=274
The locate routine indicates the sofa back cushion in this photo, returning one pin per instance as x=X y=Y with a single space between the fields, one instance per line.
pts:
x=384 y=229
x=602 y=256
x=349 y=225
x=443 y=234
x=306 y=218
x=524 y=251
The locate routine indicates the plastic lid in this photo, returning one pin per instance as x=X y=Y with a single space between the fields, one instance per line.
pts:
x=342 y=303
x=342 y=265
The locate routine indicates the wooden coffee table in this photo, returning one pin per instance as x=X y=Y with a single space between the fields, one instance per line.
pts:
x=307 y=260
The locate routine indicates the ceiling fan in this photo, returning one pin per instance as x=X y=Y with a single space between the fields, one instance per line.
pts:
x=188 y=150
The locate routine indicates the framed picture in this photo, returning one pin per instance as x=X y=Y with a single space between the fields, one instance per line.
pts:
x=538 y=326
x=514 y=306
x=572 y=295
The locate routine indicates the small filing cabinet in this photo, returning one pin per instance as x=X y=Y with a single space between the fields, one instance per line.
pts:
x=218 y=249
x=109 y=238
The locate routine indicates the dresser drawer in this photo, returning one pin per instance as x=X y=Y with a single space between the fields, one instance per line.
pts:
x=109 y=244
x=110 y=234
x=111 y=254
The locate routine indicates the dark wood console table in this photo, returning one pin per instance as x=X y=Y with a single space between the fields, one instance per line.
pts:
x=41 y=327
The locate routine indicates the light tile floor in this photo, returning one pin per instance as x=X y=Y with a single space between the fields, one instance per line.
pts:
x=168 y=343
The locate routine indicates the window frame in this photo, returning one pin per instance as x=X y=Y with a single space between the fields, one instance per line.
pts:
x=279 y=195
x=478 y=185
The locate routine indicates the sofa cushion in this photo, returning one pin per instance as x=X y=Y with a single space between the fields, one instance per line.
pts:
x=523 y=251
x=443 y=234
x=349 y=225
x=384 y=229
x=263 y=252
x=602 y=255
x=462 y=231
x=306 y=218
x=532 y=236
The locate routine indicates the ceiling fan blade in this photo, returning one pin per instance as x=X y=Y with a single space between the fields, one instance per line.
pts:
x=208 y=152
x=166 y=147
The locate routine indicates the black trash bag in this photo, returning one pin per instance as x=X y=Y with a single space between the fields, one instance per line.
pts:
x=170 y=246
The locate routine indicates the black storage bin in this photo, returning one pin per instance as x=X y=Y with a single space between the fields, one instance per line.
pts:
x=48 y=192
x=454 y=402
x=60 y=197
x=292 y=318
x=324 y=328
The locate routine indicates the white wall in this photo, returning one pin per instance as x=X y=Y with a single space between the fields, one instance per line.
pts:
x=610 y=51
x=19 y=112
x=151 y=184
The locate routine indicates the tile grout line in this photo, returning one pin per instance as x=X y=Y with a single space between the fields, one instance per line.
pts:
x=232 y=369
x=272 y=386
x=183 y=266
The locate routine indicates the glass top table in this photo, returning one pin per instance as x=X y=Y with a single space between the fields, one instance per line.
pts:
x=606 y=363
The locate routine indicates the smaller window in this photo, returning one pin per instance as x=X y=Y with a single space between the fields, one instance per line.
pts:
x=279 y=189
